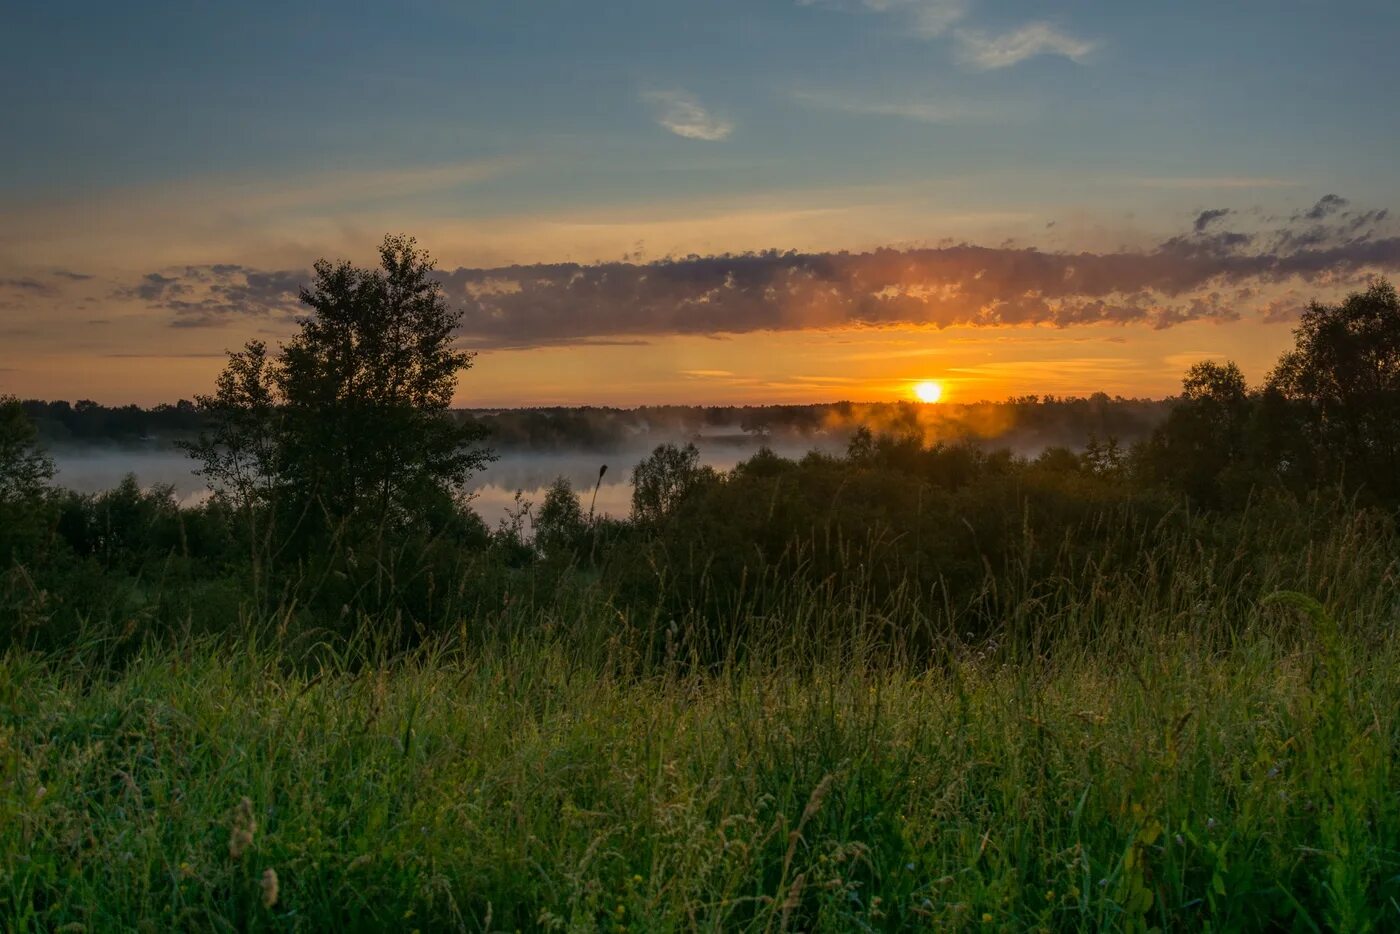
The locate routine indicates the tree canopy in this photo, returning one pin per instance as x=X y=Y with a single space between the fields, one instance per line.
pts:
x=349 y=420
x=1343 y=377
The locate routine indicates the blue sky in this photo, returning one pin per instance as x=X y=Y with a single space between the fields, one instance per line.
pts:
x=110 y=94
x=143 y=137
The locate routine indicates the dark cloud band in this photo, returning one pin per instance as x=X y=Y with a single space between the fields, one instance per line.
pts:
x=1202 y=274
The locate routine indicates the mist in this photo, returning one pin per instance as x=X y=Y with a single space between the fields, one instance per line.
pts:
x=93 y=449
x=492 y=491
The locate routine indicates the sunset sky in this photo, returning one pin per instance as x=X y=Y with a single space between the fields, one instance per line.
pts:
x=700 y=202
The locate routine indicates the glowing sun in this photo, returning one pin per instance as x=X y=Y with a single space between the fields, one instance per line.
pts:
x=928 y=391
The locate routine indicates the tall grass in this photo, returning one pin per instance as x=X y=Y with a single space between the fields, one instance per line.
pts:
x=523 y=787
x=1162 y=732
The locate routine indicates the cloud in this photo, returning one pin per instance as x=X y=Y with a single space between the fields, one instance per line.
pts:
x=25 y=284
x=684 y=115
x=204 y=296
x=933 y=19
x=988 y=52
x=917 y=111
x=1206 y=218
x=1313 y=228
x=927 y=18
x=1192 y=276
x=924 y=18
x=154 y=288
x=1326 y=205
x=1207 y=273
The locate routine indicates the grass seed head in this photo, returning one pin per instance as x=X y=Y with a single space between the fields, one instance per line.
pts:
x=240 y=836
x=269 y=887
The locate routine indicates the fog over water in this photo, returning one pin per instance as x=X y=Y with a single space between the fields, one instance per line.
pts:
x=91 y=469
x=94 y=448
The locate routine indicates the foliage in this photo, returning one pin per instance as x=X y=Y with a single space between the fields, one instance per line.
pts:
x=1344 y=376
x=349 y=422
x=240 y=454
x=560 y=525
x=1205 y=434
x=664 y=479
x=24 y=469
x=25 y=472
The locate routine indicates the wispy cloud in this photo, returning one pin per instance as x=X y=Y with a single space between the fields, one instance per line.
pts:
x=926 y=111
x=987 y=52
x=933 y=19
x=925 y=18
x=707 y=374
x=682 y=113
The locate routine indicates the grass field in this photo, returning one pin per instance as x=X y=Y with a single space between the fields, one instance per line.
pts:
x=1140 y=781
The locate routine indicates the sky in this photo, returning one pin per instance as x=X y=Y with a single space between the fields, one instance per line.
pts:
x=698 y=202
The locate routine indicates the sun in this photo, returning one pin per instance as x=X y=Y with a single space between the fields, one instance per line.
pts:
x=928 y=391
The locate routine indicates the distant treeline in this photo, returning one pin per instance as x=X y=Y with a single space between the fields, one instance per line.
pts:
x=87 y=422
x=1026 y=423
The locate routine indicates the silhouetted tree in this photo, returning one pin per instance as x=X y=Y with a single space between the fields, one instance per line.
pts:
x=560 y=524
x=240 y=451
x=24 y=469
x=1104 y=458
x=1204 y=437
x=1343 y=376
x=25 y=472
x=666 y=477
x=349 y=420
x=861 y=447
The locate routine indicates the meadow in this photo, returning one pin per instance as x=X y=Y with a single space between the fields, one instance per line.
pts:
x=1179 y=742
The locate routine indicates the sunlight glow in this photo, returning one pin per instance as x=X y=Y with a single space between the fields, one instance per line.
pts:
x=928 y=391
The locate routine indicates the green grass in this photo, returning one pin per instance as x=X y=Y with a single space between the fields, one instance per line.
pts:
x=1150 y=782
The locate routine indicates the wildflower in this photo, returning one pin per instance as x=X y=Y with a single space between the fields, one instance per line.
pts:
x=244 y=826
x=269 y=887
x=986 y=917
x=1050 y=895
